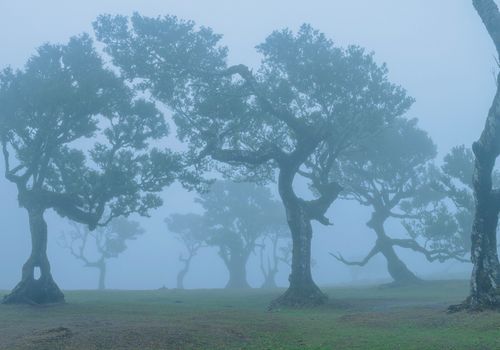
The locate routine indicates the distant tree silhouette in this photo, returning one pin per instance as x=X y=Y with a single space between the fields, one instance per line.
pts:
x=236 y=216
x=191 y=231
x=272 y=253
x=307 y=103
x=95 y=248
x=393 y=176
x=448 y=226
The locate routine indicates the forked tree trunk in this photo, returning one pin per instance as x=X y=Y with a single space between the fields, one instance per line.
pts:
x=31 y=290
x=302 y=291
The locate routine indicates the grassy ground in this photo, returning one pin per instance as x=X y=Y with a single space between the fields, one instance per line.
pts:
x=355 y=318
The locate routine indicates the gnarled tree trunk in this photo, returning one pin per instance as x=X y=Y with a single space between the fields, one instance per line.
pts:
x=183 y=272
x=396 y=267
x=302 y=290
x=31 y=290
x=484 y=291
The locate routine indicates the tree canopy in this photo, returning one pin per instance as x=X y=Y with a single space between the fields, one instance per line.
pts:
x=75 y=138
x=235 y=216
x=392 y=175
x=307 y=102
x=95 y=247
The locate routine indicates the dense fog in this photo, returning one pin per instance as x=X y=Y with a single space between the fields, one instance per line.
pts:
x=437 y=50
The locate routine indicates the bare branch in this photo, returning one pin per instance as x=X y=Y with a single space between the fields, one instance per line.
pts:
x=440 y=255
x=375 y=250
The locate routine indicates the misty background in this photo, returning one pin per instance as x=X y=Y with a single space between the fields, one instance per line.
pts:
x=437 y=50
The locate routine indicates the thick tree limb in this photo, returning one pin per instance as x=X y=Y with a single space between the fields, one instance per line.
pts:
x=440 y=255
x=67 y=205
x=317 y=208
x=10 y=174
x=489 y=13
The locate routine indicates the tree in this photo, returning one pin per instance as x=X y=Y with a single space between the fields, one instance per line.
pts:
x=485 y=279
x=392 y=176
x=276 y=253
x=103 y=243
x=236 y=216
x=75 y=139
x=448 y=226
x=307 y=102
x=190 y=230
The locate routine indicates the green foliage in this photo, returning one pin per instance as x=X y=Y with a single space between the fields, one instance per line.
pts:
x=450 y=225
x=103 y=243
x=76 y=138
x=308 y=96
x=235 y=216
x=394 y=175
x=391 y=173
x=189 y=228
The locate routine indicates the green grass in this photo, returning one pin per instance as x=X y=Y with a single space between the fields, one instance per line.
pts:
x=355 y=318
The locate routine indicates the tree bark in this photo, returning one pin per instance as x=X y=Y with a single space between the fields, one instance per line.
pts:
x=302 y=291
x=30 y=290
x=484 y=291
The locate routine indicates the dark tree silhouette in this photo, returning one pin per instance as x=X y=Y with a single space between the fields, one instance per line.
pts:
x=75 y=140
x=392 y=176
x=191 y=231
x=94 y=248
x=307 y=102
x=484 y=292
x=236 y=216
